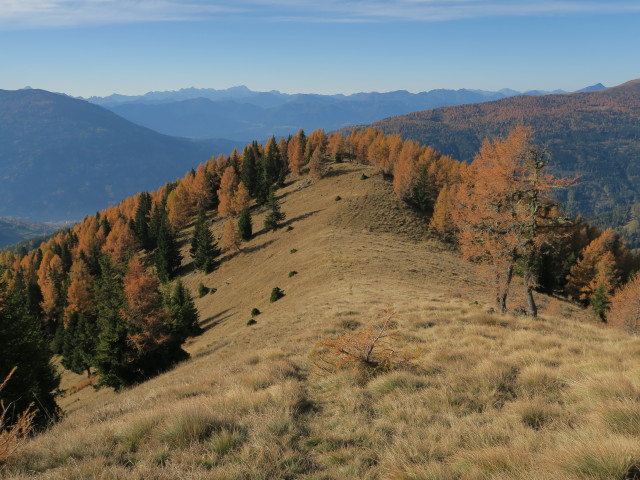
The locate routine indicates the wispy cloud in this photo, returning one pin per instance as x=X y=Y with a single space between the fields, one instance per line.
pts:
x=59 y=13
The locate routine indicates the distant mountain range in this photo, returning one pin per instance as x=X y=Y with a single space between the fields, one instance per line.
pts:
x=241 y=114
x=62 y=158
x=594 y=133
x=14 y=231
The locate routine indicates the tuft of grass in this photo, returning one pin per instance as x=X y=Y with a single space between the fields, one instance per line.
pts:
x=189 y=426
x=349 y=324
x=622 y=417
x=394 y=381
x=225 y=441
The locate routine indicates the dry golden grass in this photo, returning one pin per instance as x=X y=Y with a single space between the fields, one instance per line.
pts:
x=488 y=396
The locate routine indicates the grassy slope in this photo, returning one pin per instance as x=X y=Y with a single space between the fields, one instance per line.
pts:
x=489 y=397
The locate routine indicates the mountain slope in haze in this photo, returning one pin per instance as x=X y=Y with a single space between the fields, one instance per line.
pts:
x=594 y=134
x=487 y=395
x=14 y=231
x=62 y=158
x=240 y=114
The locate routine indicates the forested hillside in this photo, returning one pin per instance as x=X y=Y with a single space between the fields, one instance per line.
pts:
x=292 y=311
x=63 y=158
x=593 y=134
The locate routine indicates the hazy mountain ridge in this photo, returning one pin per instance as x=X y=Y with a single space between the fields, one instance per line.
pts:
x=594 y=134
x=62 y=158
x=241 y=114
x=14 y=231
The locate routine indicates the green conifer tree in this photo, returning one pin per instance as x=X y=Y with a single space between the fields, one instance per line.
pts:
x=249 y=174
x=167 y=257
x=22 y=345
x=111 y=349
x=275 y=215
x=184 y=314
x=140 y=223
x=79 y=344
x=204 y=248
x=245 y=226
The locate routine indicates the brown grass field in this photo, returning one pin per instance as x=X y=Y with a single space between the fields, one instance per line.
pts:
x=486 y=397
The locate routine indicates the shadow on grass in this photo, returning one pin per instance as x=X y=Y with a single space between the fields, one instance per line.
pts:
x=216 y=319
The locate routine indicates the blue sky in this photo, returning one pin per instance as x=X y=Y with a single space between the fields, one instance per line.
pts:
x=98 y=47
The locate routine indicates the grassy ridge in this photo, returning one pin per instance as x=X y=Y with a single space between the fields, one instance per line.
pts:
x=486 y=396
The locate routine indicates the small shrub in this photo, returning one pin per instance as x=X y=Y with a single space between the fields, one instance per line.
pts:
x=289 y=228
x=338 y=198
x=202 y=290
x=371 y=348
x=293 y=250
x=363 y=177
x=349 y=324
x=276 y=294
x=251 y=322
x=292 y=273
x=255 y=312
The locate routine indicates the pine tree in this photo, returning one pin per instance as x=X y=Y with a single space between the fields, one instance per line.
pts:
x=22 y=345
x=141 y=220
x=204 y=248
x=111 y=350
x=275 y=215
x=600 y=302
x=184 y=314
x=245 y=226
x=249 y=174
x=423 y=192
x=79 y=343
x=167 y=257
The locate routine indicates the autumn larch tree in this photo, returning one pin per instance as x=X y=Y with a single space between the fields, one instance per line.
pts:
x=625 y=307
x=317 y=168
x=596 y=266
x=228 y=185
x=230 y=240
x=80 y=328
x=504 y=214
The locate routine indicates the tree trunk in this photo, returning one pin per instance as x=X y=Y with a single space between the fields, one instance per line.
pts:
x=532 y=309
x=503 y=290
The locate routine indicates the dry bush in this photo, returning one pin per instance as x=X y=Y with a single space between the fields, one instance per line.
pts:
x=14 y=435
x=372 y=348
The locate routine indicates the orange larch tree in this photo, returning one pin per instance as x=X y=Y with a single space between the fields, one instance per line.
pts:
x=504 y=213
x=228 y=186
x=625 y=307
